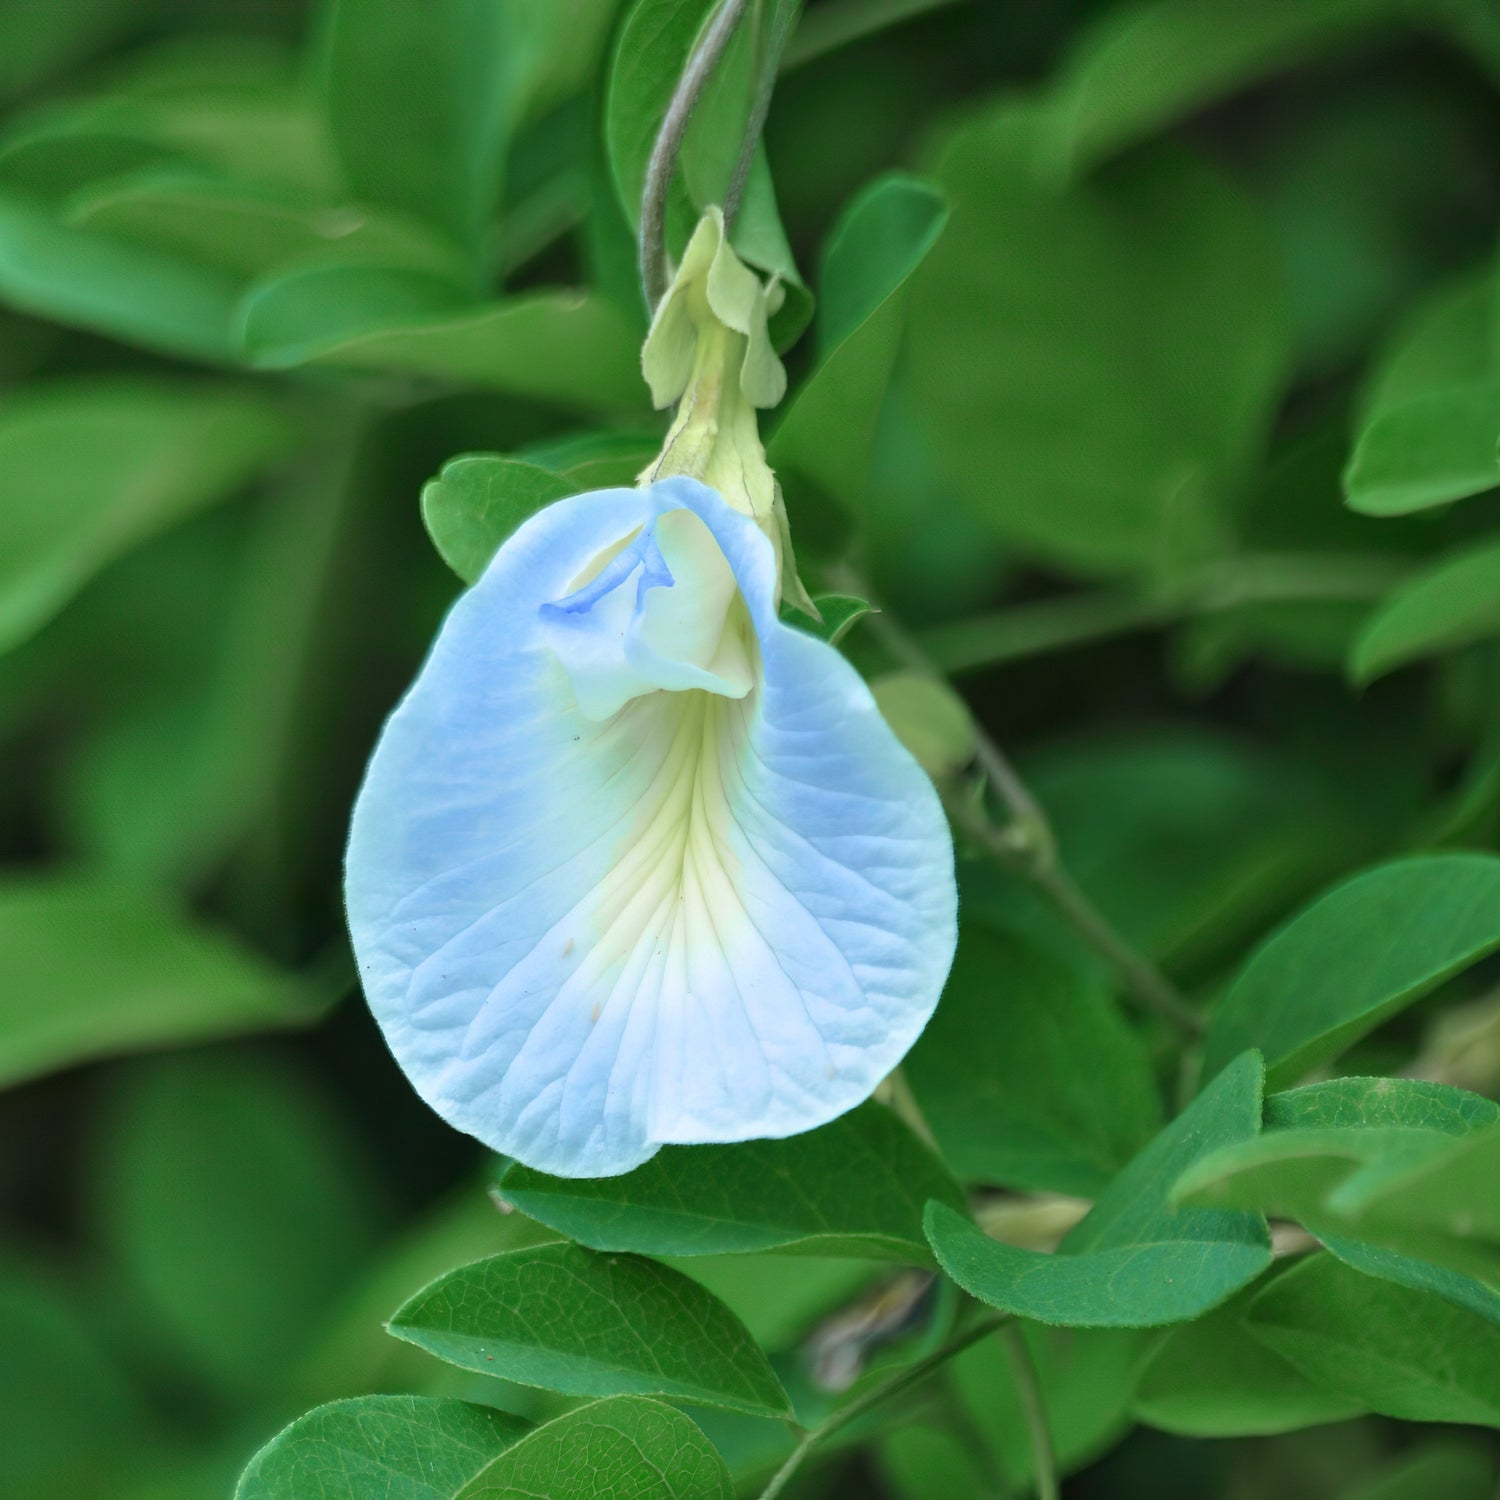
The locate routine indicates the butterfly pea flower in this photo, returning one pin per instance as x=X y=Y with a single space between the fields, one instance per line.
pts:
x=635 y=862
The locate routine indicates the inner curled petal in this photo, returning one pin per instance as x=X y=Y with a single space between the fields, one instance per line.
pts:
x=657 y=609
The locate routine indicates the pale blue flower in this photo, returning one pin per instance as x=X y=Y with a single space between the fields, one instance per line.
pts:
x=636 y=863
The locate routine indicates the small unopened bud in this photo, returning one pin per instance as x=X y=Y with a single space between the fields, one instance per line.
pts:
x=929 y=718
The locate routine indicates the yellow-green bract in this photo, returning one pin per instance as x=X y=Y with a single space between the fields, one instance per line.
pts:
x=634 y=862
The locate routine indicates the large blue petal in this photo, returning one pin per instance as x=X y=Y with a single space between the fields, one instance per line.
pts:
x=698 y=917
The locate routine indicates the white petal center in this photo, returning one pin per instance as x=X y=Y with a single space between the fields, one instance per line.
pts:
x=658 y=608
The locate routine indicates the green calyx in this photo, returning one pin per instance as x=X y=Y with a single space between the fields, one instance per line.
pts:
x=709 y=351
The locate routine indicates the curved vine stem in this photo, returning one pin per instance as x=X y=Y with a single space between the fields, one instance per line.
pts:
x=902 y=1380
x=662 y=166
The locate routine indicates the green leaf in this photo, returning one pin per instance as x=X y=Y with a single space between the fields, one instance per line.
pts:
x=1400 y=1352
x=1317 y=1137
x=1450 y=1193
x=1008 y=1072
x=861 y=1183
x=477 y=500
x=401 y=1447
x=1147 y=65
x=90 y=468
x=195 y=770
x=119 y=289
x=1210 y=1378
x=574 y=350
x=653 y=45
x=1431 y=413
x=201 y=221
x=1447 y=342
x=417 y=104
x=1365 y=950
x=245 y=230
x=625 y=1447
x=1039 y=306
x=96 y=968
x=232 y=1201
x=1322 y=1145
x=238 y=109
x=840 y=614
x=1435 y=448
x=1134 y=1261
x=570 y=1320
x=1474 y=1285
x=828 y=433
x=1391 y=1103
x=1454 y=603
x=237 y=118
x=423 y=103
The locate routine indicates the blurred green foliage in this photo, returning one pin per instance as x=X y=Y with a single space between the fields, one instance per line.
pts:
x=1145 y=362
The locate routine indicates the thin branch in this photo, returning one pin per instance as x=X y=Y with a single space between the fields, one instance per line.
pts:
x=903 y=1380
x=1043 y=1457
x=1017 y=849
x=668 y=148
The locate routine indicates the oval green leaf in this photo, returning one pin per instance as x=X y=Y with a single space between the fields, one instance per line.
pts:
x=475 y=503
x=1038 y=307
x=861 y=1183
x=1433 y=449
x=97 y=968
x=400 y=1447
x=828 y=433
x=1320 y=1139
x=1147 y=65
x=1452 y=604
x=573 y=349
x=1397 y=1351
x=1211 y=1379
x=1356 y=956
x=570 y=1320
x=91 y=468
x=1325 y=1146
x=626 y=1447
x=1134 y=1261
